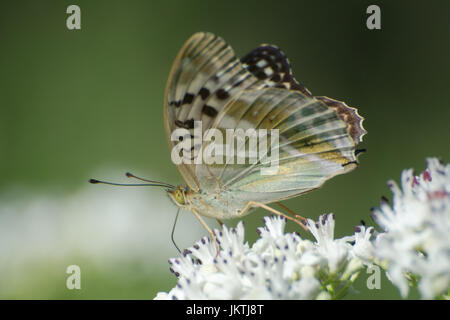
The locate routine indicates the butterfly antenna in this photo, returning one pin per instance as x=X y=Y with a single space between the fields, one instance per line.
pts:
x=130 y=175
x=95 y=181
x=173 y=231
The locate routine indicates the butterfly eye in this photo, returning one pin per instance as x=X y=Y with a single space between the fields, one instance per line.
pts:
x=179 y=197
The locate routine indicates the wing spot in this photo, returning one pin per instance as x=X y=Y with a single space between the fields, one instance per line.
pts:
x=261 y=63
x=276 y=77
x=188 y=98
x=188 y=124
x=186 y=136
x=252 y=68
x=204 y=93
x=260 y=74
x=209 y=111
x=175 y=103
x=268 y=71
x=222 y=94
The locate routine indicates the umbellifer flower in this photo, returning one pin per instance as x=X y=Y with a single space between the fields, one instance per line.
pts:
x=278 y=266
x=415 y=245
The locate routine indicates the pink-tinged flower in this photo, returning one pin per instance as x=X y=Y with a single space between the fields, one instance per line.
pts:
x=415 y=245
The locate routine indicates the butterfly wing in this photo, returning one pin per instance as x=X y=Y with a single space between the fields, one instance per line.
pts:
x=318 y=135
x=269 y=63
x=205 y=76
x=315 y=144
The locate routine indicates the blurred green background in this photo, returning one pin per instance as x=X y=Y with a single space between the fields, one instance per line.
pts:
x=75 y=103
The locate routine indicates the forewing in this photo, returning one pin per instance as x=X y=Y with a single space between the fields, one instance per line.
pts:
x=205 y=77
x=204 y=64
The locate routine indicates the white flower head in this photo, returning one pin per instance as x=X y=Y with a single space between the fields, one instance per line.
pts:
x=333 y=251
x=278 y=266
x=363 y=247
x=416 y=241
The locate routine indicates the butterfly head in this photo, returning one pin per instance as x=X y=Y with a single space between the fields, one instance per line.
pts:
x=178 y=196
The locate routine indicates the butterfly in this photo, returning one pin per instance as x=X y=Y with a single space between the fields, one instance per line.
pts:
x=209 y=85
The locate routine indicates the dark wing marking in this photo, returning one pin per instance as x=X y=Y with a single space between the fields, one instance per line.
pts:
x=268 y=62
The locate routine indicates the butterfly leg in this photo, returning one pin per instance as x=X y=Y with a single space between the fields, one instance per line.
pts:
x=213 y=237
x=290 y=211
x=251 y=204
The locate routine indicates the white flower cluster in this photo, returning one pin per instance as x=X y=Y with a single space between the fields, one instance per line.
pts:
x=278 y=266
x=415 y=247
